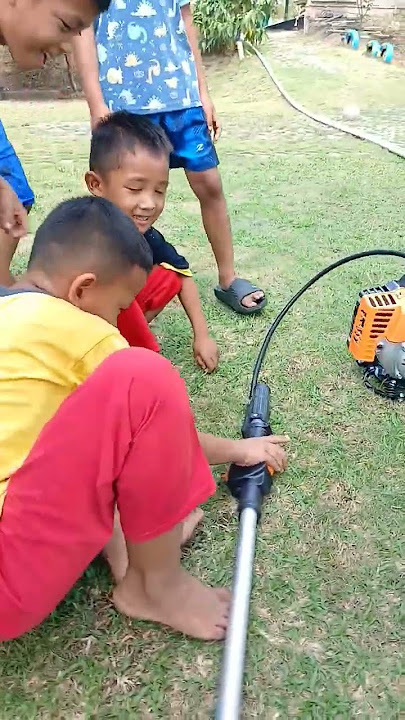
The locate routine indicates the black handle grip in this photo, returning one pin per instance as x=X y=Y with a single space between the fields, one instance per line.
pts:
x=260 y=403
x=250 y=484
x=256 y=422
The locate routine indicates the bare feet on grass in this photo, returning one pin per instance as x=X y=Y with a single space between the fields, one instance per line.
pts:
x=181 y=602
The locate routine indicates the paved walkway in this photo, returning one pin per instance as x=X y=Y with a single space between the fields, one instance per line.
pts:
x=376 y=82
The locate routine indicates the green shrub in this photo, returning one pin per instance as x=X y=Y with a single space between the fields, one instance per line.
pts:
x=221 y=21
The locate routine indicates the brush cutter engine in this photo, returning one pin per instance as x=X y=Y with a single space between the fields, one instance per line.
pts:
x=377 y=339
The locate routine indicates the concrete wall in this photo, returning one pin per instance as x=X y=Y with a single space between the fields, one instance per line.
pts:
x=384 y=15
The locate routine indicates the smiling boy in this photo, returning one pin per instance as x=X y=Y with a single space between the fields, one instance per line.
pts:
x=129 y=165
x=34 y=30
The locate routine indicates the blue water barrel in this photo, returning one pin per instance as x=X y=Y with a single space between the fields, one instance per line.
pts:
x=352 y=38
x=387 y=52
x=373 y=48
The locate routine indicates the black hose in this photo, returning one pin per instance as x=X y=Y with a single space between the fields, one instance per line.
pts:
x=273 y=327
x=342 y=127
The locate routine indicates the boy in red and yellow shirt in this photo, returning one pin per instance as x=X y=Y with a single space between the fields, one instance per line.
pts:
x=88 y=424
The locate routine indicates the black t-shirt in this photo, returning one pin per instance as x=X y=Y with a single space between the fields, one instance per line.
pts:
x=165 y=254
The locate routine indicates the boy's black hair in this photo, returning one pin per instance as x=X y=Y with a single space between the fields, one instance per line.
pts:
x=102 y=5
x=92 y=235
x=123 y=132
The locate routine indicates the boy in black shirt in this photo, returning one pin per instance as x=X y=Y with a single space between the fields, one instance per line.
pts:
x=129 y=165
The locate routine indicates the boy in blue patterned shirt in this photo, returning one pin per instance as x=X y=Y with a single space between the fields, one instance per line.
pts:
x=143 y=56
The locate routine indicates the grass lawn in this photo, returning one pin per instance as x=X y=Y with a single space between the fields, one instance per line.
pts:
x=325 y=626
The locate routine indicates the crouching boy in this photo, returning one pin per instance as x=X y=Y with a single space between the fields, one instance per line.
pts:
x=89 y=425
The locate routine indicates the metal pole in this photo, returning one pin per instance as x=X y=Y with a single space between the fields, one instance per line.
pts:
x=230 y=693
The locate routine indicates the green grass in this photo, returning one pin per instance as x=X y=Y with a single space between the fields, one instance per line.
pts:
x=325 y=627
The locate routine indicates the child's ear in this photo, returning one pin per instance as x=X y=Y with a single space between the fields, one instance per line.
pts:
x=94 y=183
x=78 y=288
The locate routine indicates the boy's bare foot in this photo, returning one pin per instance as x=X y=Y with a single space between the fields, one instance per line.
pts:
x=190 y=525
x=182 y=602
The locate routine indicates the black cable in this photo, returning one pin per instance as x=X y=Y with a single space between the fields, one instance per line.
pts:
x=273 y=327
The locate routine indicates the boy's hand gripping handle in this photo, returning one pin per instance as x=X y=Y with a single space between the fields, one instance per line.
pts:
x=250 y=484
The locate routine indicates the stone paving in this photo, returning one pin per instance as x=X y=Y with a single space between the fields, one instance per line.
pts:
x=384 y=123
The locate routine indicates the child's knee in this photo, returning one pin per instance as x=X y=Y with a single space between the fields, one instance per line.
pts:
x=145 y=371
x=135 y=362
x=208 y=185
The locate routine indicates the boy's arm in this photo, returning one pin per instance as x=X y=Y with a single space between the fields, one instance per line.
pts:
x=192 y=36
x=13 y=215
x=218 y=451
x=221 y=451
x=164 y=253
x=204 y=347
x=8 y=246
x=86 y=63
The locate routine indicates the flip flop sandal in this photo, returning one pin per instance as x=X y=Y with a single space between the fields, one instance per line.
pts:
x=233 y=296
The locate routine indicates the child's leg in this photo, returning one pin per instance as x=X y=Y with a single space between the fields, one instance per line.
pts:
x=161 y=287
x=190 y=525
x=135 y=329
x=187 y=130
x=116 y=553
x=8 y=246
x=125 y=437
x=157 y=588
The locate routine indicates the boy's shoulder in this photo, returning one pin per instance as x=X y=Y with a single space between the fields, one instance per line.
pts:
x=41 y=320
x=164 y=253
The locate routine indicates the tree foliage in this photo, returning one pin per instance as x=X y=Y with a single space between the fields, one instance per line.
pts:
x=220 y=22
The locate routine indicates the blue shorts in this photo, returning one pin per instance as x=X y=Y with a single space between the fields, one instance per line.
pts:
x=11 y=170
x=188 y=133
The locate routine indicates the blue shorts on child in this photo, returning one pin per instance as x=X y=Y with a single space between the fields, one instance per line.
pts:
x=189 y=135
x=12 y=171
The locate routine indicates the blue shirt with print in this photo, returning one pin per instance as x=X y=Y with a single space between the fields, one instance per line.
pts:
x=145 y=61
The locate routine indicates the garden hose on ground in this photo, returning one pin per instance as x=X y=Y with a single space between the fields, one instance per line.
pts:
x=249 y=486
x=286 y=309
x=322 y=119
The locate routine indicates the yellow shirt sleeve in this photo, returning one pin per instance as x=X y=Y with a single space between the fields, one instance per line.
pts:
x=94 y=357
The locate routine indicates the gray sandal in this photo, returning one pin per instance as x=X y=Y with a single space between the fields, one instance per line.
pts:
x=233 y=296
